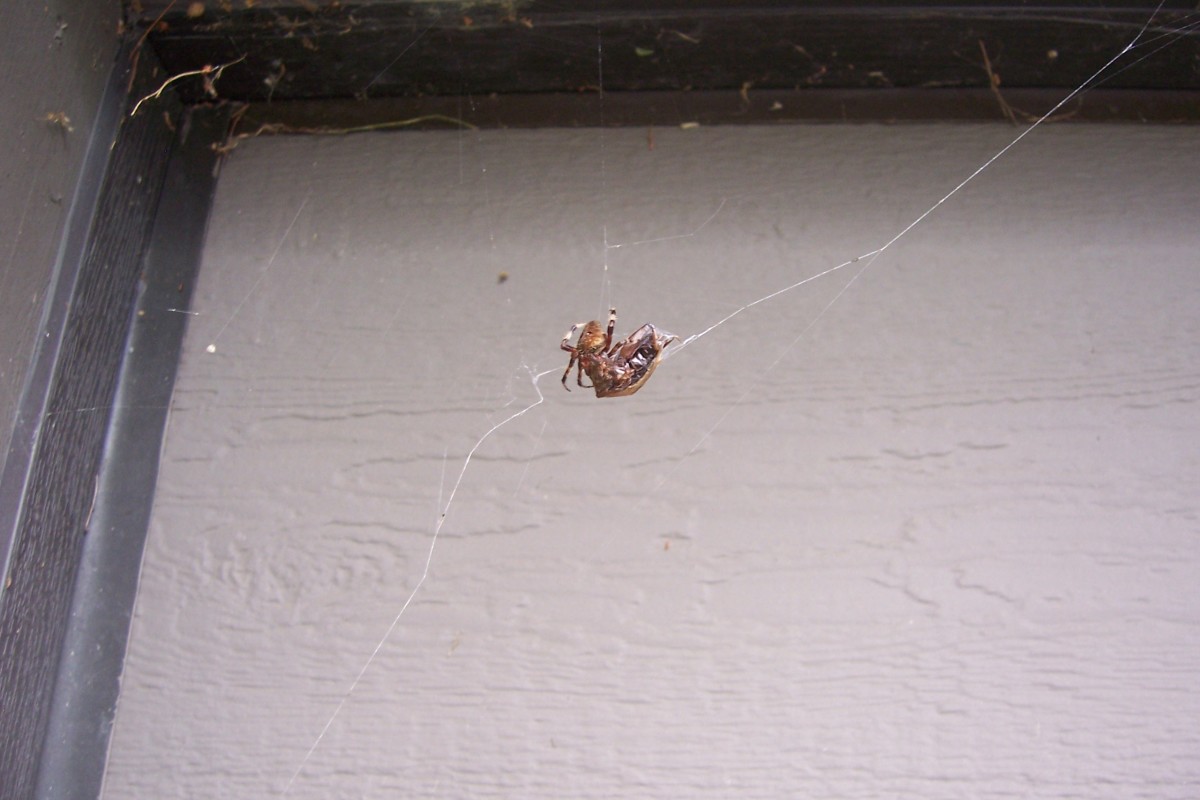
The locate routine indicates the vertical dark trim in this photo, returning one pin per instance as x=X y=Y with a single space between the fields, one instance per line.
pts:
x=92 y=309
x=52 y=327
x=88 y=684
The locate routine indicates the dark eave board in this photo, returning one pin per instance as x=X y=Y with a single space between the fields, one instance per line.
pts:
x=320 y=50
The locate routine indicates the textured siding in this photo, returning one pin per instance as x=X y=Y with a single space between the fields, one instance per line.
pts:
x=935 y=535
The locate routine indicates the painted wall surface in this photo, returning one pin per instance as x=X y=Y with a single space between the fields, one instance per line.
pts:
x=55 y=57
x=926 y=526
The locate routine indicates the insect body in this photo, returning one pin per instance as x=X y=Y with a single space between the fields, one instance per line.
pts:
x=615 y=369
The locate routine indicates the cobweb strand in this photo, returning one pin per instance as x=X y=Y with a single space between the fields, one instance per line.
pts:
x=872 y=255
x=437 y=529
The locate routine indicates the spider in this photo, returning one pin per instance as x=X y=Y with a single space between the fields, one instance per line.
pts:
x=619 y=369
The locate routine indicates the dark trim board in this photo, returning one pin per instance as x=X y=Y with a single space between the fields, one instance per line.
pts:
x=421 y=48
x=66 y=409
x=87 y=688
x=671 y=109
x=77 y=501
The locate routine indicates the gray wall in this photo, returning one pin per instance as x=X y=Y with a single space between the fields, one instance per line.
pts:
x=930 y=533
x=56 y=57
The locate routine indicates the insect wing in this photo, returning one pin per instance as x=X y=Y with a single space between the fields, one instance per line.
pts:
x=637 y=356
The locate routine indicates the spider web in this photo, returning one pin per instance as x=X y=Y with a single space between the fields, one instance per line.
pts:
x=391 y=548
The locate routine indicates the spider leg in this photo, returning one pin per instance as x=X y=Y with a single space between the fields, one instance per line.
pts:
x=570 y=364
x=579 y=377
x=567 y=337
x=612 y=323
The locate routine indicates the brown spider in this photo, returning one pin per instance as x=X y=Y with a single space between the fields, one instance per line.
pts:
x=619 y=369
